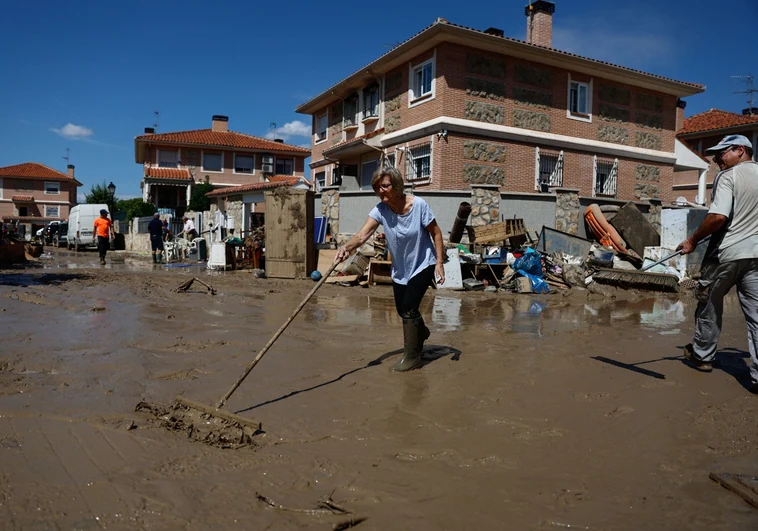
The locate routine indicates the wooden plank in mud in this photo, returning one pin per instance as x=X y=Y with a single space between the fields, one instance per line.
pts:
x=744 y=486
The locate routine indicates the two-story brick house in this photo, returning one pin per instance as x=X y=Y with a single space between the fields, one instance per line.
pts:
x=453 y=107
x=33 y=194
x=701 y=131
x=173 y=162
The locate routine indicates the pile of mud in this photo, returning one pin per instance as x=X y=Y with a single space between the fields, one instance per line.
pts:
x=200 y=426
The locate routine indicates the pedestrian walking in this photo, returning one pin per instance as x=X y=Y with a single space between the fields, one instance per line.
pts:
x=155 y=228
x=415 y=243
x=731 y=258
x=104 y=233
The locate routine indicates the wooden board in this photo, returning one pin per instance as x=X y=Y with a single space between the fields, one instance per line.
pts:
x=290 y=250
x=325 y=260
x=379 y=272
x=636 y=231
x=453 y=276
x=744 y=486
x=497 y=232
x=334 y=279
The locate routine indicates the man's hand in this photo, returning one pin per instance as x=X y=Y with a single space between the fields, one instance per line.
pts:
x=342 y=254
x=439 y=273
x=687 y=246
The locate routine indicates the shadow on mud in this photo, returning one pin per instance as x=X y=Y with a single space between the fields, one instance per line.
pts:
x=25 y=279
x=430 y=354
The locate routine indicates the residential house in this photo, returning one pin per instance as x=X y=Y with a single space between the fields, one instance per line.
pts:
x=32 y=195
x=457 y=109
x=701 y=131
x=174 y=162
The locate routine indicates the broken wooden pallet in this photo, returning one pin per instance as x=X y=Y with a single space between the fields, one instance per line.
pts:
x=497 y=232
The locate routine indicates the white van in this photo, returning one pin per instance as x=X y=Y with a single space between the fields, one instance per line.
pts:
x=81 y=226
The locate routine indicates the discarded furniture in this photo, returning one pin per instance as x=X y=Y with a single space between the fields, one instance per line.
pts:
x=636 y=231
x=554 y=241
x=290 y=248
x=461 y=217
x=379 y=272
x=498 y=232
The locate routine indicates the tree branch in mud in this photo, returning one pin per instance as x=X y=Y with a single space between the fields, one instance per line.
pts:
x=184 y=286
x=326 y=505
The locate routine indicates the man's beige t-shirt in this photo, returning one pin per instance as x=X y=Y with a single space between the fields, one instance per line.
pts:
x=735 y=196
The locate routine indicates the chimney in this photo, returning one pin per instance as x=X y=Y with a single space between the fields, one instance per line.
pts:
x=539 y=23
x=280 y=140
x=70 y=171
x=220 y=123
x=497 y=32
x=149 y=130
x=750 y=111
x=680 y=105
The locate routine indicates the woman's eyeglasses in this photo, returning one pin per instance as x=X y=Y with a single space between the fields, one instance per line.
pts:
x=385 y=187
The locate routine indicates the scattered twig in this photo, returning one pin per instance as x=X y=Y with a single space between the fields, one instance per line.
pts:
x=327 y=506
x=184 y=286
x=347 y=524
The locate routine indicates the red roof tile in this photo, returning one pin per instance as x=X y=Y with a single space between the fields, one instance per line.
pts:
x=284 y=180
x=715 y=119
x=33 y=170
x=209 y=137
x=167 y=173
x=23 y=198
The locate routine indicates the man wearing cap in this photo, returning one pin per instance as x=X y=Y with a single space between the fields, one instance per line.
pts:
x=103 y=229
x=732 y=254
x=155 y=228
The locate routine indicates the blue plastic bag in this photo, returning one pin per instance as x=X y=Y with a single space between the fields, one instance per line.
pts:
x=529 y=263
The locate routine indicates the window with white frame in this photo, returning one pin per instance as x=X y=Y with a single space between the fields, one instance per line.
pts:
x=418 y=164
x=52 y=211
x=244 y=163
x=212 y=161
x=549 y=170
x=422 y=77
x=321 y=124
x=320 y=179
x=285 y=166
x=579 y=98
x=52 y=188
x=168 y=158
x=605 y=177
x=371 y=101
x=350 y=112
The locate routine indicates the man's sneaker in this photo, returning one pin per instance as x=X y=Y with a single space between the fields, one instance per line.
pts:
x=692 y=361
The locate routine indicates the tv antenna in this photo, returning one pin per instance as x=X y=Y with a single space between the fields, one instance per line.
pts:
x=157 y=119
x=67 y=157
x=748 y=79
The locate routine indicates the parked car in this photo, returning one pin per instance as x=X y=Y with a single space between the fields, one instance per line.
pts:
x=50 y=230
x=60 y=239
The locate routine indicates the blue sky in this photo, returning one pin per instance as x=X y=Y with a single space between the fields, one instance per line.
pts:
x=88 y=75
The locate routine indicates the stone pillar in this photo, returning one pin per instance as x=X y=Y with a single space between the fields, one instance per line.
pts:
x=485 y=204
x=330 y=207
x=567 y=210
x=654 y=214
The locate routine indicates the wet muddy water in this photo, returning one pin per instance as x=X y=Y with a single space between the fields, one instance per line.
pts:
x=531 y=412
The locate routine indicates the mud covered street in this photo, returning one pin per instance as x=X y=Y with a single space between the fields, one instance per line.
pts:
x=531 y=412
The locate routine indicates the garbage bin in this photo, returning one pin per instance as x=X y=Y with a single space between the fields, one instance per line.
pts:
x=202 y=250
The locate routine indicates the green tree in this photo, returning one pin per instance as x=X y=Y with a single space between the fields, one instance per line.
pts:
x=135 y=208
x=99 y=194
x=198 y=201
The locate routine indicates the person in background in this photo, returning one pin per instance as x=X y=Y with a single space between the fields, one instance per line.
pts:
x=188 y=231
x=155 y=228
x=731 y=258
x=415 y=243
x=104 y=233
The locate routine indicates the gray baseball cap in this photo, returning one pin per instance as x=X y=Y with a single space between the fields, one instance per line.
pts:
x=729 y=141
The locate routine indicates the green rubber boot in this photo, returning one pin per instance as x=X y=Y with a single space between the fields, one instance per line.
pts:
x=413 y=334
x=155 y=258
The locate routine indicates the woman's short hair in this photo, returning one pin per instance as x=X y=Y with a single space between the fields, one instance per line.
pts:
x=395 y=178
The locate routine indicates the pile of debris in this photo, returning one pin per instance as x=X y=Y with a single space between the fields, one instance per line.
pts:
x=16 y=251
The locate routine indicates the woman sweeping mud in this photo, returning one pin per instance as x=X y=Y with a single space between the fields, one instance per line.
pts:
x=410 y=227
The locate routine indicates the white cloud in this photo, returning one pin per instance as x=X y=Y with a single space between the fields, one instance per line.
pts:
x=290 y=129
x=73 y=132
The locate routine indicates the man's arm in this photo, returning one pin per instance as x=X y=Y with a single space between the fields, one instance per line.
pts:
x=710 y=224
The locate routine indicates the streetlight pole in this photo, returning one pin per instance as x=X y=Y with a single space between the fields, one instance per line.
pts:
x=112 y=192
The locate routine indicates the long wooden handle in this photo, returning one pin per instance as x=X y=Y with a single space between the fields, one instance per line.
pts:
x=276 y=336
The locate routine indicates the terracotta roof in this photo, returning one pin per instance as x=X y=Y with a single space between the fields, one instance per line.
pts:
x=354 y=140
x=23 y=198
x=281 y=180
x=209 y=137
x=443 y=24
x=167 y=173
x=715 y=119
x=32 y=170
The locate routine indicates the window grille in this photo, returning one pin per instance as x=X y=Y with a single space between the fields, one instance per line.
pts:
x=418 y=167
x=389 y=161
x=549 y=170
x=605 y=177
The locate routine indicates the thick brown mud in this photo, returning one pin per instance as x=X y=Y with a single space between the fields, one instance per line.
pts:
x=530 y=412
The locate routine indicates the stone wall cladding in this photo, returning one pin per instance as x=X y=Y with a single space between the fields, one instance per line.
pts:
x=612 y=94
x=654 y=121
x=392 y=104
x=649 y=102
x=611 y=133
x=483 y=151
x=537 y=77
x=648 y=140
x=481 y=88
x=567 y=211
x=654 y=215
x=535 y=98
x=330 y=207
x=485 y=66
x=531 y=120
x=475 y=174
x=646 y=191
x=392 y=123
x=484 y=112
x=612 y=114
x=485 y=206
x=647 y=173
